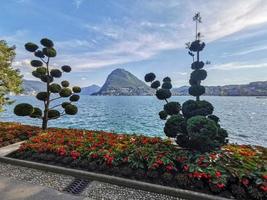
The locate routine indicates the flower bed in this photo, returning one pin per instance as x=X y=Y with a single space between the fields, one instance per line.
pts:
x=236 y=170
x=13 y=132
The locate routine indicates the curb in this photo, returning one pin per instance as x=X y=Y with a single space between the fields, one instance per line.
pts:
x=185 y=194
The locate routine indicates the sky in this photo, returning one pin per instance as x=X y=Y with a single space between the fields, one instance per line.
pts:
x=95 y=37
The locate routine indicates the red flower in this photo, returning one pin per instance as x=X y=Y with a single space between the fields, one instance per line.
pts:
x=61 y=151
x=94 y=155
x=185 y=167
x=245 y=181
x=169 y=168
x=264 y=177
x=218 y=174
x=75 y=154
x=220 y=185
x=160 y=162
x=264 y=188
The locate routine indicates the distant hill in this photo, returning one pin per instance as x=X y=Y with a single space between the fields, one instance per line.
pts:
x=90 y=90
x=258 y=88
x=122 y=83
x=32 y=87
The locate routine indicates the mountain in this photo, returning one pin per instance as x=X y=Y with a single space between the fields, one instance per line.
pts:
x=32 y=87
x=122 y=83
x=258 y=88
x=90 y=90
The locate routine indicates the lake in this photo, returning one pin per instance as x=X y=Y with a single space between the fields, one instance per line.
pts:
x=245 y=118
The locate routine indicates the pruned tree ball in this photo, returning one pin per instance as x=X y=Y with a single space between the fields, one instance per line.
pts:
x=41 y=71
x=65 y=83
x=174 y=125
x=47 y=42
x=37 y=113
x=199 y=75
x=172 y=108
x=196 y=90
x=76 y=89
x=23 y=109
x=150 y=77
x=65 y=92
x=47 y=79
x=42 y=96
x=192 y=108
x=167 y=79
x=197 y=46
x=163 y=94
x=36 y=74
x=192 y=82
x=163 y=115
x=39 y=54
x=197 y=65
x=64 y=104
x=71 y=109
x=36 y=63
x=66 y=68
x=53 y=114
x=49 y=52
x=31 y=47
x=155 y=84
x=56 y=73
x=167 y=85
x=55 y=88
x=74 y=98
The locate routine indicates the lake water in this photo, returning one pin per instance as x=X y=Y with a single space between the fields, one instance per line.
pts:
x=245 y=118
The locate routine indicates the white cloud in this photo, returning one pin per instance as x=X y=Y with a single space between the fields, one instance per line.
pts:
x=77 y=3
x=238 y=65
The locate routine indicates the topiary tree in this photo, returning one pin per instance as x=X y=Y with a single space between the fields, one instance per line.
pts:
x=54 y=91
x=192 y=124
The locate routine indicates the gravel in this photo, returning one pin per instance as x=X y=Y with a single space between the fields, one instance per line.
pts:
x=95 y=190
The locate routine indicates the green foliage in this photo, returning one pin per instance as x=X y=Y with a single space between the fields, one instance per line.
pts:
x=196 y=128
x=71 y=109
x=23 y=109
x=74 y=98
x=37 y=113
x=31 y=47
x=42 y=96
x=150 y=77
x=197 y=65
x=76 y=89
x=155 y=84
x=163 y=94
x=47 y=42
x=166 y=85
x=163 y=115
x=53 y=114
x=202 y=133
x=174 y=125
x=10 y=78
x=36 y=63
x=192 y=108
x=46 y=75
x=55 y=88
x=65 y=83
x=66 y=68
x=172 y=108
x=56 y=73
x=64 y=104
x=47 y=78
x=196 y=90
x=65 y=92
x=49 y=52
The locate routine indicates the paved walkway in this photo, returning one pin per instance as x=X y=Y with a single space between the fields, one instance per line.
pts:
x=11 y=189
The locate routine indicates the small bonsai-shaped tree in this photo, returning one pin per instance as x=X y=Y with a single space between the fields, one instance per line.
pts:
x=45 y=74
x=192 y=124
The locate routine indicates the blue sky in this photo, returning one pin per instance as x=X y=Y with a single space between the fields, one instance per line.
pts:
x=97 y=36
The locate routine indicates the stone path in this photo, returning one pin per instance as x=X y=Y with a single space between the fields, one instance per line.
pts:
x=24 y=183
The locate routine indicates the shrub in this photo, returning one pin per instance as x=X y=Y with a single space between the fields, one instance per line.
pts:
x=195 y=127
x=47 y=76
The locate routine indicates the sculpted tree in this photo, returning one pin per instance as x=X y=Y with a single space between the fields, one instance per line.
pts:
x=54 y=91
x=10 y=79
x=192 y=124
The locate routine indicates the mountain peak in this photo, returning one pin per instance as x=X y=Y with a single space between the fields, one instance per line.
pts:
x=122 y=83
